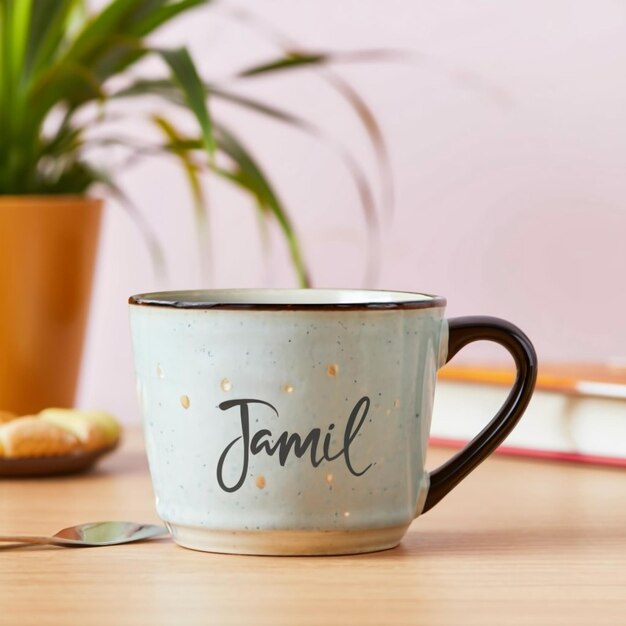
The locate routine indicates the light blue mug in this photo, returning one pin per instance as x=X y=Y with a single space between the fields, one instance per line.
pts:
x=297 y=421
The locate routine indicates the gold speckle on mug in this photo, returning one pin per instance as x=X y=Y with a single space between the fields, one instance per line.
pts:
x=184 y=400
x=260 y=481
x=346 y=514
x=329 y=478
x=332 y=370
x=388 y=412
x=159 y=372
x=288 y=388
x=396 y=404
x=226 y=385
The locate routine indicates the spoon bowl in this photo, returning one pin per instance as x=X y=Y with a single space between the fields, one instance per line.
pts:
x=93 y=534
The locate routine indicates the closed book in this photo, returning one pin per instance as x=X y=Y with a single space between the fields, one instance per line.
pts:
x=577 y=413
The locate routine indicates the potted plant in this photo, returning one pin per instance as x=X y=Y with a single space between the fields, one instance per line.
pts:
x=57 y=62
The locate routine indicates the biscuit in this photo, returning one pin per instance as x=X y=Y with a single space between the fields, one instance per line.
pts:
x=109 y=425
x=88 y=431
x=32 y=437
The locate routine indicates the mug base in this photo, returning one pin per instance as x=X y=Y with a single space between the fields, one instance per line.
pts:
x=287 y=542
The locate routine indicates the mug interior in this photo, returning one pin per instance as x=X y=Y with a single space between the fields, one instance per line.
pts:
x=288 y=298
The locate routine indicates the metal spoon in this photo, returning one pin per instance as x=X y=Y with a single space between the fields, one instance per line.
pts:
x=95 y=534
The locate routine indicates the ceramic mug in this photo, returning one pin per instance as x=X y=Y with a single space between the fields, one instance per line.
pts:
x=297 y=421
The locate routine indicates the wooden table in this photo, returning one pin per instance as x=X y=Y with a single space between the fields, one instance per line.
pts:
x=519 y=542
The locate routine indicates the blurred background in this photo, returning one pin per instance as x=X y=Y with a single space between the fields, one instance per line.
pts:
x=508 y=150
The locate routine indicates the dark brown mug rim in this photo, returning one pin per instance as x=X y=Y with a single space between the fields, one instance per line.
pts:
x=202 y=299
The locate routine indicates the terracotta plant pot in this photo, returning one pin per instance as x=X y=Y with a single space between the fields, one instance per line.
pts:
x=47 y=255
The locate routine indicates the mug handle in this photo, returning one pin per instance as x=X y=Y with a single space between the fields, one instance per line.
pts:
x=463 y=331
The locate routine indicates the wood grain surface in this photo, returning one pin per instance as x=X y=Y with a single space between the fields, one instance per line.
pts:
x=518 y=542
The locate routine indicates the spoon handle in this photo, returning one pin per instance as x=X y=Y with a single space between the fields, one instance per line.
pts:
x=27 y=539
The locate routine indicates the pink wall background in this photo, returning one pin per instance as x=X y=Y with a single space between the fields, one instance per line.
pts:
x=508 y=146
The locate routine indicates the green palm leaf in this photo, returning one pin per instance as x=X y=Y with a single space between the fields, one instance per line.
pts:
x=166 y=89
x=249 y=175
x=19 y=23
x=191 y=169
x=165 y=14
x=186 y=76
x=57 y=59
x=294 y=58
x=50 y=22
x=291 y=61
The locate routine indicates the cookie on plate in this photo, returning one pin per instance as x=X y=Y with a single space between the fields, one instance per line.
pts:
x=31 y=437
x=94 y=429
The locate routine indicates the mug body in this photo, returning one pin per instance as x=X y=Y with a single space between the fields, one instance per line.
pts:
x=287 y=421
